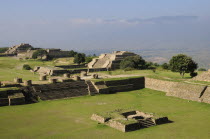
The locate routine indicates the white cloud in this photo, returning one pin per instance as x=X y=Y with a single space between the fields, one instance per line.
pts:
x=163 y=19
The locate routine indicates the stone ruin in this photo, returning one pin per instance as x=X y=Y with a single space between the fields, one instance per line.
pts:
x=205 y=76
x=11 y=94
x=111 y=61
x=129 y=120
x=119 y=85
x=19 y=48
x=53 y=71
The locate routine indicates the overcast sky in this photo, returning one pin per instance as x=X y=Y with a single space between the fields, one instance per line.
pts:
x=105 y=24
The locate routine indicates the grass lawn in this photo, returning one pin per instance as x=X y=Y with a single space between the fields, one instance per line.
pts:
x=11 y=67
x=70 y=118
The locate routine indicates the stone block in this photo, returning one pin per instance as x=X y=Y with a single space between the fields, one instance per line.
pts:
x=66 y=75
x=83 y=74
x=52 y=80
x=76 y=78
x=27 y=83
x=18 y=80
x=43 y=77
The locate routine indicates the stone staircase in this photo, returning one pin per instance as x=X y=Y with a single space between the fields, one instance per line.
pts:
x=91 y=88
x=11 y=50
x=146 y=122
x=101 y=62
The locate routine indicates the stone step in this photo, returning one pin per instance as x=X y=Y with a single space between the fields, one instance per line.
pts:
x=147 y=123
x=91 y=88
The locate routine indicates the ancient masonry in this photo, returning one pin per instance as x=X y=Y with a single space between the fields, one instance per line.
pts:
x=111 y=61
x=64 y=87
x=19 y=48
x=26 y=51
x=129 y=120
x=205 y=76
x=119 y=85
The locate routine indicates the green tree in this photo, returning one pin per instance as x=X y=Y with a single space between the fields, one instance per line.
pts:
x=165 y=66
x=3 y=49
x=72 y=53
x=133 y=62
x=39 y=53
x=79 y=58
x=183 y=64
x=88 y=59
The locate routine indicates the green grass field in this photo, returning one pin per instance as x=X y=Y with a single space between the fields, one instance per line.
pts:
x=11 y=67
x=70 y=118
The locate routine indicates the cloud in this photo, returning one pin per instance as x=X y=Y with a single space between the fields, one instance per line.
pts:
x=135 y=21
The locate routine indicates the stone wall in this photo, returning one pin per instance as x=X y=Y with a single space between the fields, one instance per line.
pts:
x=182 y=90
x=116 y=125
x=11 y=97
x=57 y=90
x=72 y=66
x=113 y=86
x=206 y=96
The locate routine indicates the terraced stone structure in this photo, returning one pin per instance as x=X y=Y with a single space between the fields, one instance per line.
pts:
x=119 y=85
x=50 y=70
x=19 y=48
x=11 y=97
x=57 y=90
x=205 y=76
x=111 y=61
x=129 y=120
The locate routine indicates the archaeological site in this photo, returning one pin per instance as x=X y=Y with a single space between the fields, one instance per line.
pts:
x=113 y=97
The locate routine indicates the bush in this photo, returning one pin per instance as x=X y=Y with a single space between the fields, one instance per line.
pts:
x=39 y=53
x=26 y=67
x=165 y=66
x=193 y=74
x=129 y=69
x=202 y=69
x=4 y=49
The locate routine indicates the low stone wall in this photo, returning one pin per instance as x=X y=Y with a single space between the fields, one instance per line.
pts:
x=206 y=96
x=121 y=88
x=113 y=86
x=7 y=55
x=72 y=66
x=182 y=90
x=98 y=118
x=57 y=90
x=4 y=101
x=116 y=125
x=17 y=101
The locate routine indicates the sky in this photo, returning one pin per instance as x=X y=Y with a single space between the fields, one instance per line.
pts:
x=105 y=24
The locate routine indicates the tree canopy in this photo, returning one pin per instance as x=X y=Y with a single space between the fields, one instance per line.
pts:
x=72 y=53
x=79 y=58
x=133 y=62
x=39 y=53
x=183 y=64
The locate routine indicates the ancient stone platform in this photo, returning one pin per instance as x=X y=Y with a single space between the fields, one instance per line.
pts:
x=129 y=120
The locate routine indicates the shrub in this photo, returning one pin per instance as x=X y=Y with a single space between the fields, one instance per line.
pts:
x=193 y=74
x=26 y=67
x=39 y=53
x=165 y=66
x=202 y=69
x=4 y=49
